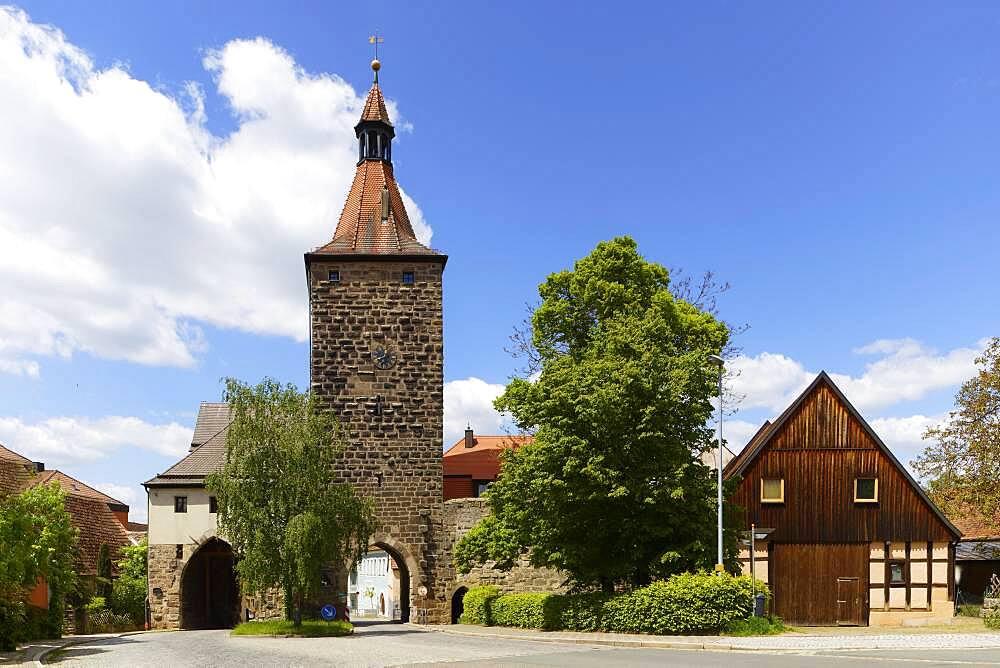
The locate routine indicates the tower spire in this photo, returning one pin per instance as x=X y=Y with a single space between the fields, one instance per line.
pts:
x=374 y=219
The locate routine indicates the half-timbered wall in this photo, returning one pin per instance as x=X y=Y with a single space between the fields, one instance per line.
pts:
x=819 y=449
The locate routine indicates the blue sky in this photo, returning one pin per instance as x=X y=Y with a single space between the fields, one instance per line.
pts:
x=164 y=171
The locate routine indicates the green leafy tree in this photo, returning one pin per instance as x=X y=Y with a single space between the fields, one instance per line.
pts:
x=612 y=489
x=962 y=459
x=128 y=593
x=39 y=540
x=280 y=506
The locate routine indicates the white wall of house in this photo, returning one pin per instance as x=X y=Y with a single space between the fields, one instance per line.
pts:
x=374 y=574
x=169 y=527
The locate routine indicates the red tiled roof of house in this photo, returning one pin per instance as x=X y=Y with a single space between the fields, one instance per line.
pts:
x=98 y=526
x=481 y=443
x=375 y=106
x=74 y=487
x=10 y=455
x=974 y=525
x=88 y=508
x=482 y=460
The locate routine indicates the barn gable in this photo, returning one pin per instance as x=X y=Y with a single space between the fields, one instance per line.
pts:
x=818 y=447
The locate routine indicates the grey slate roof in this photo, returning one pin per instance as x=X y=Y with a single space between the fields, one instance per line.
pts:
x=977 y=550
x=208 y=450
x=212 y=419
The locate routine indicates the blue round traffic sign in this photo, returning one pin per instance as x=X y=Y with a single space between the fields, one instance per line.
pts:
x=328 y=612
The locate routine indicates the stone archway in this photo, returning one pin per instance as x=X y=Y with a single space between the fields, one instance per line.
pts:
x=406 y=566
x=458 y=603
x=210 y=593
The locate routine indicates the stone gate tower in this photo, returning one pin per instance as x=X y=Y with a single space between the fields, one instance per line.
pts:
x=376 y=361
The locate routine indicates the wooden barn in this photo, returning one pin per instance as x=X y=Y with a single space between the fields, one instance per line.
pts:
x=854 y=540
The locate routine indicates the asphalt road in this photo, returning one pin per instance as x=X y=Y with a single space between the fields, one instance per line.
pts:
x=396 y=645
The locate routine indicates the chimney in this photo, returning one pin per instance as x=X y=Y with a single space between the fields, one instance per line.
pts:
x=470 y=440
x=39 y=466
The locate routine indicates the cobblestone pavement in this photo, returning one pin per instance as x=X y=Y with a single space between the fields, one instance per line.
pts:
x=398 y=645
x=377 y=645
x=885 y=641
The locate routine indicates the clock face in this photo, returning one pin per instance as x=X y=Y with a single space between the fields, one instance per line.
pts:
x=383 y=358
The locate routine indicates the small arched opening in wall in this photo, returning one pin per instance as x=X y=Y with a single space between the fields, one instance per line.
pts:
x=379 y=584
x=458 y=604
x=210 y=593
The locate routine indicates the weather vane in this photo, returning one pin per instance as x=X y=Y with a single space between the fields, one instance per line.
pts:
x=375 y=40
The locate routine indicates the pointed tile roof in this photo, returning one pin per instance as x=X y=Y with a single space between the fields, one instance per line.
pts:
x=362 y=230
x=375 y=106
x=367 y=225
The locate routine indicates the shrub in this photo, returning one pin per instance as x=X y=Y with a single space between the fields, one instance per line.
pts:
x=992 y=618
x=475 y=605
x=96 y=604
x=12 y=612
x=526 y=611
x=686 y=603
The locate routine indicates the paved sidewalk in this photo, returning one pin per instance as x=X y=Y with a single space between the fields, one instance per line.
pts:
x=787 y=642
x=30 y=655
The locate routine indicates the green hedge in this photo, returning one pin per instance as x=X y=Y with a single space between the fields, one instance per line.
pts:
x=475 y=605
x=684 y=604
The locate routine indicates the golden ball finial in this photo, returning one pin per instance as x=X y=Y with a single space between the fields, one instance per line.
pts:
x=376 y=65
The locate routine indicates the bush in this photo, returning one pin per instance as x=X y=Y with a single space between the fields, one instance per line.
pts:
x=526 y=611
x=97 y=604
x=12 y=612
x=475 y=605
x=992 y=618
x=683 y=604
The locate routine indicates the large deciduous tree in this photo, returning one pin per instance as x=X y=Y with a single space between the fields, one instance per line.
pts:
x=962 y=459
x=280 y=505
x=612 y=490
x=37 y=540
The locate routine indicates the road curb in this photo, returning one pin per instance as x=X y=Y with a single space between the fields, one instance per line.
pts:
x=38 y=658
x=606 y=642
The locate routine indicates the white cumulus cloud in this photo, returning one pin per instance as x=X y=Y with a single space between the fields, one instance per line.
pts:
x=62 y=441
x=470 y=402
x=125 y=223
x=905 y=370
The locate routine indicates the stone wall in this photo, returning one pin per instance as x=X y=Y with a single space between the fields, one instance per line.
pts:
x=460 y=515
x=392 y=418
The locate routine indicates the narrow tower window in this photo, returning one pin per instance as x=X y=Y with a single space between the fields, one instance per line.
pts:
x=334 y=276
x=407 y=278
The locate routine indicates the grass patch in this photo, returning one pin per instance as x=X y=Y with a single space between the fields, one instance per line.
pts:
x=286 y=629
x=969 y=610
x=756 y=626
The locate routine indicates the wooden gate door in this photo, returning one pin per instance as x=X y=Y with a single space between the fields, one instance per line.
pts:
x=848 y=602
x=806 y=583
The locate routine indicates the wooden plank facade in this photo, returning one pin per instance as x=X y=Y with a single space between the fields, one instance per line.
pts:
x=891 y=544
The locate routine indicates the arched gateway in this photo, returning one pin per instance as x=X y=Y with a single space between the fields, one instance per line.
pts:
x=210 y=594
x=376 y=360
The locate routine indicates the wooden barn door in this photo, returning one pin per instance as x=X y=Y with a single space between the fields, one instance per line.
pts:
x=807 y=580
x=848 y=602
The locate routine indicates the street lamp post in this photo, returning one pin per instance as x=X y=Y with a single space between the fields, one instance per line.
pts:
x=719 y=362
